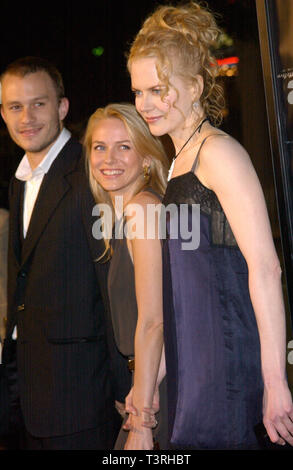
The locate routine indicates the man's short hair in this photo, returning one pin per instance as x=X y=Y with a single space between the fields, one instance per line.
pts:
x=27 y=65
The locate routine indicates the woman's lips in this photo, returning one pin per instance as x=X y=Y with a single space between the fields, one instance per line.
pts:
x=152 y=119
x=114 y=172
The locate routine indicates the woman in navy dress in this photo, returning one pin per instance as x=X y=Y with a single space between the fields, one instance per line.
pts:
x=224 y=321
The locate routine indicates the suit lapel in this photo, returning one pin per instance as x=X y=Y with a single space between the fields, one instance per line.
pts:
x=53 y=188
x=15 y=209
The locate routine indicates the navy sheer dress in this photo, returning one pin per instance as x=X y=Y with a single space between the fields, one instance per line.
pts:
x=214 y=379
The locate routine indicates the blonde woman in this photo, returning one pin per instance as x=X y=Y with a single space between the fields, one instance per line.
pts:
x=224 y=322
x=127 y=171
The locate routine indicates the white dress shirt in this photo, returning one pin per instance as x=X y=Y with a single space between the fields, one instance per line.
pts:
x=34 y=178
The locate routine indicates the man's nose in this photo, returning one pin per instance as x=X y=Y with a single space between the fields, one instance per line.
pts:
x=27 y=115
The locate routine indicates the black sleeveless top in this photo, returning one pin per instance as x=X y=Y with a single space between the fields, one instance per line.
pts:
x=121 y=290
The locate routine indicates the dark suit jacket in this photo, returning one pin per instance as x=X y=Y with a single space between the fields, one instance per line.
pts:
x=4 y=218
x=54 y=299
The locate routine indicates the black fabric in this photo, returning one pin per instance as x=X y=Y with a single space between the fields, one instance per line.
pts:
x=4 y=403
x=182 y=189
x=120 y=375
x=90 y=439
x=121 y=289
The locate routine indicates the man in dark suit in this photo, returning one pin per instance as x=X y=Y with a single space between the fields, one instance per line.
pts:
x=62 y=382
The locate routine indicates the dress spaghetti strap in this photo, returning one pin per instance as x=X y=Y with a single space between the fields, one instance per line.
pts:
x=198 y=152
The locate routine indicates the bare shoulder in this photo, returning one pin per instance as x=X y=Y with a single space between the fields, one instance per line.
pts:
x=142 y=219
x=144 y=198
x=225 y=162
x=140 y=205
x=220 y=148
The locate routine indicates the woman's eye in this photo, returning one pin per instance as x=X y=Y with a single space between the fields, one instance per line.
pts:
x=157 y=91
x=124 y=147
x=99 y=148
x=136 y=92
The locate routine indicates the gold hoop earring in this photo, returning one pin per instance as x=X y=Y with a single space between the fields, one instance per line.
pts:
x=146 y=173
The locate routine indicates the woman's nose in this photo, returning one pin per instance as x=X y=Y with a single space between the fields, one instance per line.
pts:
x=110 y=155
x=144 y=102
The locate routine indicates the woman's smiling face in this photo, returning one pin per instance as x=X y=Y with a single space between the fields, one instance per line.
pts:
x=115 y=163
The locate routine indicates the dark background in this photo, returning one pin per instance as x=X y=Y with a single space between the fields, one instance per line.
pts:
x=66 y=33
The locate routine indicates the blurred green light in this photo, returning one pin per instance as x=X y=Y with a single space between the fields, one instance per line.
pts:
x=98 y=51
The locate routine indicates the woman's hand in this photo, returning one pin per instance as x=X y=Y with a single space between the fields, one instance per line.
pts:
x=278 y=413
x=149 y=418
x=140 y=437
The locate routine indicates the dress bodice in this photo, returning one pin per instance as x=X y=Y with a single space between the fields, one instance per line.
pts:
x=188 y=189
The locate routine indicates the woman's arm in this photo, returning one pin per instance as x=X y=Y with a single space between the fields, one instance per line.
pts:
x=226 y=168
x=150 y=421
x=147 y=261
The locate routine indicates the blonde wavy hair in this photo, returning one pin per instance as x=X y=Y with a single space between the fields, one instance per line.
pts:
x=182 y=38
x=145 y=144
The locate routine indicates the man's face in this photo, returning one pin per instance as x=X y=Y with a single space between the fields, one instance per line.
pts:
x=32 y=112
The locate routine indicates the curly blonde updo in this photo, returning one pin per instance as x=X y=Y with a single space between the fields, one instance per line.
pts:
x=181 y=39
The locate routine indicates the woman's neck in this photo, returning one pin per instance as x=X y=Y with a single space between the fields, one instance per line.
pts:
x=185 y=139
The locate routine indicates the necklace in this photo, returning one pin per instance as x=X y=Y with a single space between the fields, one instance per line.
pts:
x=189 y=138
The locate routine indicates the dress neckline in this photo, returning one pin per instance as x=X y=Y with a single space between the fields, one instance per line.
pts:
x=194 y=175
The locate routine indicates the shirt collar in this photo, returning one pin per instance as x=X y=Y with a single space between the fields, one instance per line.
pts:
x=24 y=171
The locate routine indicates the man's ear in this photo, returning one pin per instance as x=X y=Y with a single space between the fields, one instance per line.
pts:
x=2 y=112
x=63 y=108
